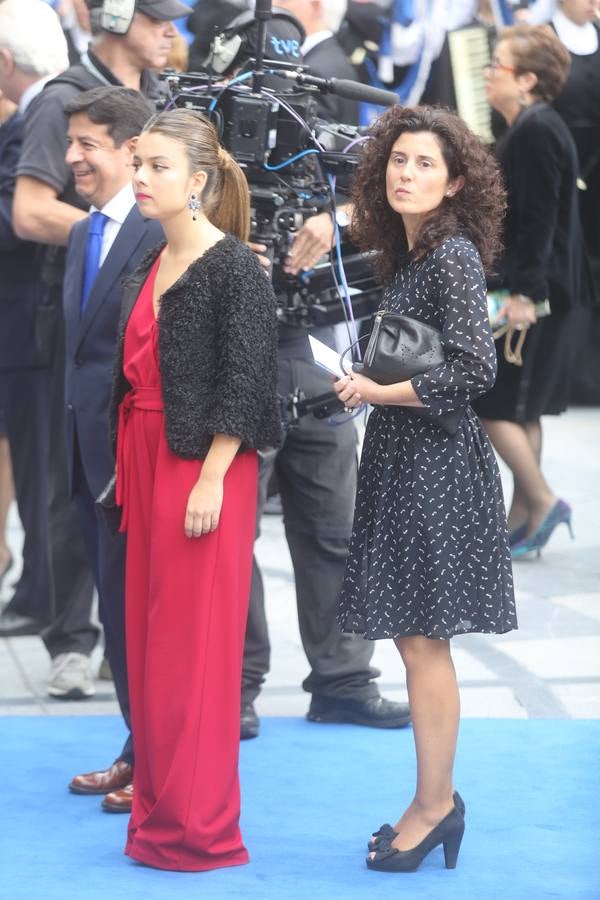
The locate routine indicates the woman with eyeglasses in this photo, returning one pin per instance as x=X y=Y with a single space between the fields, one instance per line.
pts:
x=543 y=260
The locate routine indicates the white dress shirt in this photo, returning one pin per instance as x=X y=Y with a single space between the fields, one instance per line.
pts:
x=312 y=40
x=117 y=209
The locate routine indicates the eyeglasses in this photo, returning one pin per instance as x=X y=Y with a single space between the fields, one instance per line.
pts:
x=495 y=64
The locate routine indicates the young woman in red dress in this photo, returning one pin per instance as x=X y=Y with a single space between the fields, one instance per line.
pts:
x=194 y=398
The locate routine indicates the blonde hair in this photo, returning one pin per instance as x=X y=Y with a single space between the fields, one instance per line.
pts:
x=178 y=54
x=225 y=198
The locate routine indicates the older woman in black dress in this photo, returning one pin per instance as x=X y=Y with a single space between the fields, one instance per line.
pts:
x=577 y=24
x=544 y=259
x=429 y=554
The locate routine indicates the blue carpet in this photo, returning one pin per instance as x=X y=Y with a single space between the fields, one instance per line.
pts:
x=311 y=795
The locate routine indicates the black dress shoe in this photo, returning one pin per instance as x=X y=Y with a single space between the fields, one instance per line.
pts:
x=14 y=625
x=375 y=712
x=249 y=722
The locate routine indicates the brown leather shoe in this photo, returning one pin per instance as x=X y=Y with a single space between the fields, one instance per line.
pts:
x=118 y=776
x=119 y=801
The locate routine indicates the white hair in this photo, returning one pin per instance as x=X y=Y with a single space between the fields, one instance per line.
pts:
x=31 y=32
x=333 y=13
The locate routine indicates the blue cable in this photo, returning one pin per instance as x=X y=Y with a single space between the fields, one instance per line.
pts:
x=350 y=320
x=289 y=161
x=243 y=77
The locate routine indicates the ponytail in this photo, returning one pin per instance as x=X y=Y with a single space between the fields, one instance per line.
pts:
x=231 y=208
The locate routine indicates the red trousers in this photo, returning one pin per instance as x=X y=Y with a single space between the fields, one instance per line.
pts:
x=186 y=608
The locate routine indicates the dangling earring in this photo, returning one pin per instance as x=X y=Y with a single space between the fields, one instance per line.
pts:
x=194 y=203
x=522 y=102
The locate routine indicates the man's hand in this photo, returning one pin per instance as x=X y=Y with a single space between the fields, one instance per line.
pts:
x=313 y=240
x=259 y=249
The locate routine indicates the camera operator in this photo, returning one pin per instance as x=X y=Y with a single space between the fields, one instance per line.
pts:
x=324 y=54
x=316 y=475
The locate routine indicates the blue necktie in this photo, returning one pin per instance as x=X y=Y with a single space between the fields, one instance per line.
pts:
x=404 y=12
x=93 y=247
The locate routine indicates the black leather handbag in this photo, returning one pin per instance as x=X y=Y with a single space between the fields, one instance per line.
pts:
x=399 y=348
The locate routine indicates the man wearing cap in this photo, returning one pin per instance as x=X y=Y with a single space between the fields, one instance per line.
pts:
x=123 y=52
x=316 y=474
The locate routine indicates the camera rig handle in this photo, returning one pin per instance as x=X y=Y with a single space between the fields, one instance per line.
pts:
x=262 y=13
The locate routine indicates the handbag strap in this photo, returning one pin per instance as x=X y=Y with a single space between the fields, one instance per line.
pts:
x=351 y=347
x=511 y=355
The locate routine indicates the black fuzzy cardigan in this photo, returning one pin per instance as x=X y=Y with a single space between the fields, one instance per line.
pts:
x=217 y=349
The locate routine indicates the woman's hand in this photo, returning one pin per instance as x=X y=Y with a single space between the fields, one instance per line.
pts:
x=355 y=389
x=519 y=311
x=203 y=507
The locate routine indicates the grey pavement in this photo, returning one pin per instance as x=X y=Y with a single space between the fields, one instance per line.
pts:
x=549 y=668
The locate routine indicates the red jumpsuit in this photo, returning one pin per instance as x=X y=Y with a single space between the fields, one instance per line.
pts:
x=186 y=608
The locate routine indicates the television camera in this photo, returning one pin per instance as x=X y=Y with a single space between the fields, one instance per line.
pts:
x=295 y=164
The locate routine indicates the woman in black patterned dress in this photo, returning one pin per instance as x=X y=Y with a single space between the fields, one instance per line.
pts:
x=429 y=554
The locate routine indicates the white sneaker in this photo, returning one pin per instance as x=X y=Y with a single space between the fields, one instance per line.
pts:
x=71 y=677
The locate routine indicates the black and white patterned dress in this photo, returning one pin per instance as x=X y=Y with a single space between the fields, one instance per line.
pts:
x=429 y=549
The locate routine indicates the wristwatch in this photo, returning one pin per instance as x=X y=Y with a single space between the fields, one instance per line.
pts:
x=341 y=217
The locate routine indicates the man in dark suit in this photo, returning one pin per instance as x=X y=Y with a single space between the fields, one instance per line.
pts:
x=103 y=125
x=323 y=53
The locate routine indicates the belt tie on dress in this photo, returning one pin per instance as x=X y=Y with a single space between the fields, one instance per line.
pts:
x=147 y=398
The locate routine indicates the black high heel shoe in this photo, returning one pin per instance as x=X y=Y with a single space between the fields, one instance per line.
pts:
x=448 y=832
x=388 y=831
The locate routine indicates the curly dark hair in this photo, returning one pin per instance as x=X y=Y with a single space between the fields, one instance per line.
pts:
x=475 y=211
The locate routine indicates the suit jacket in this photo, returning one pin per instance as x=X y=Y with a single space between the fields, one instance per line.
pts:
x=91 y=340
x=544 y=251
x=20 y=265
x=328 y=60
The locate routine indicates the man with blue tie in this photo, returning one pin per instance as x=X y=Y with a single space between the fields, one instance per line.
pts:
x=102 y=249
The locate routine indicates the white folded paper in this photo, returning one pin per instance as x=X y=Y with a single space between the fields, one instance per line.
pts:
x=325 y=357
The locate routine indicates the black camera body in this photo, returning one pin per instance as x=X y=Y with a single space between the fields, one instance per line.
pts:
x=288 y=155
